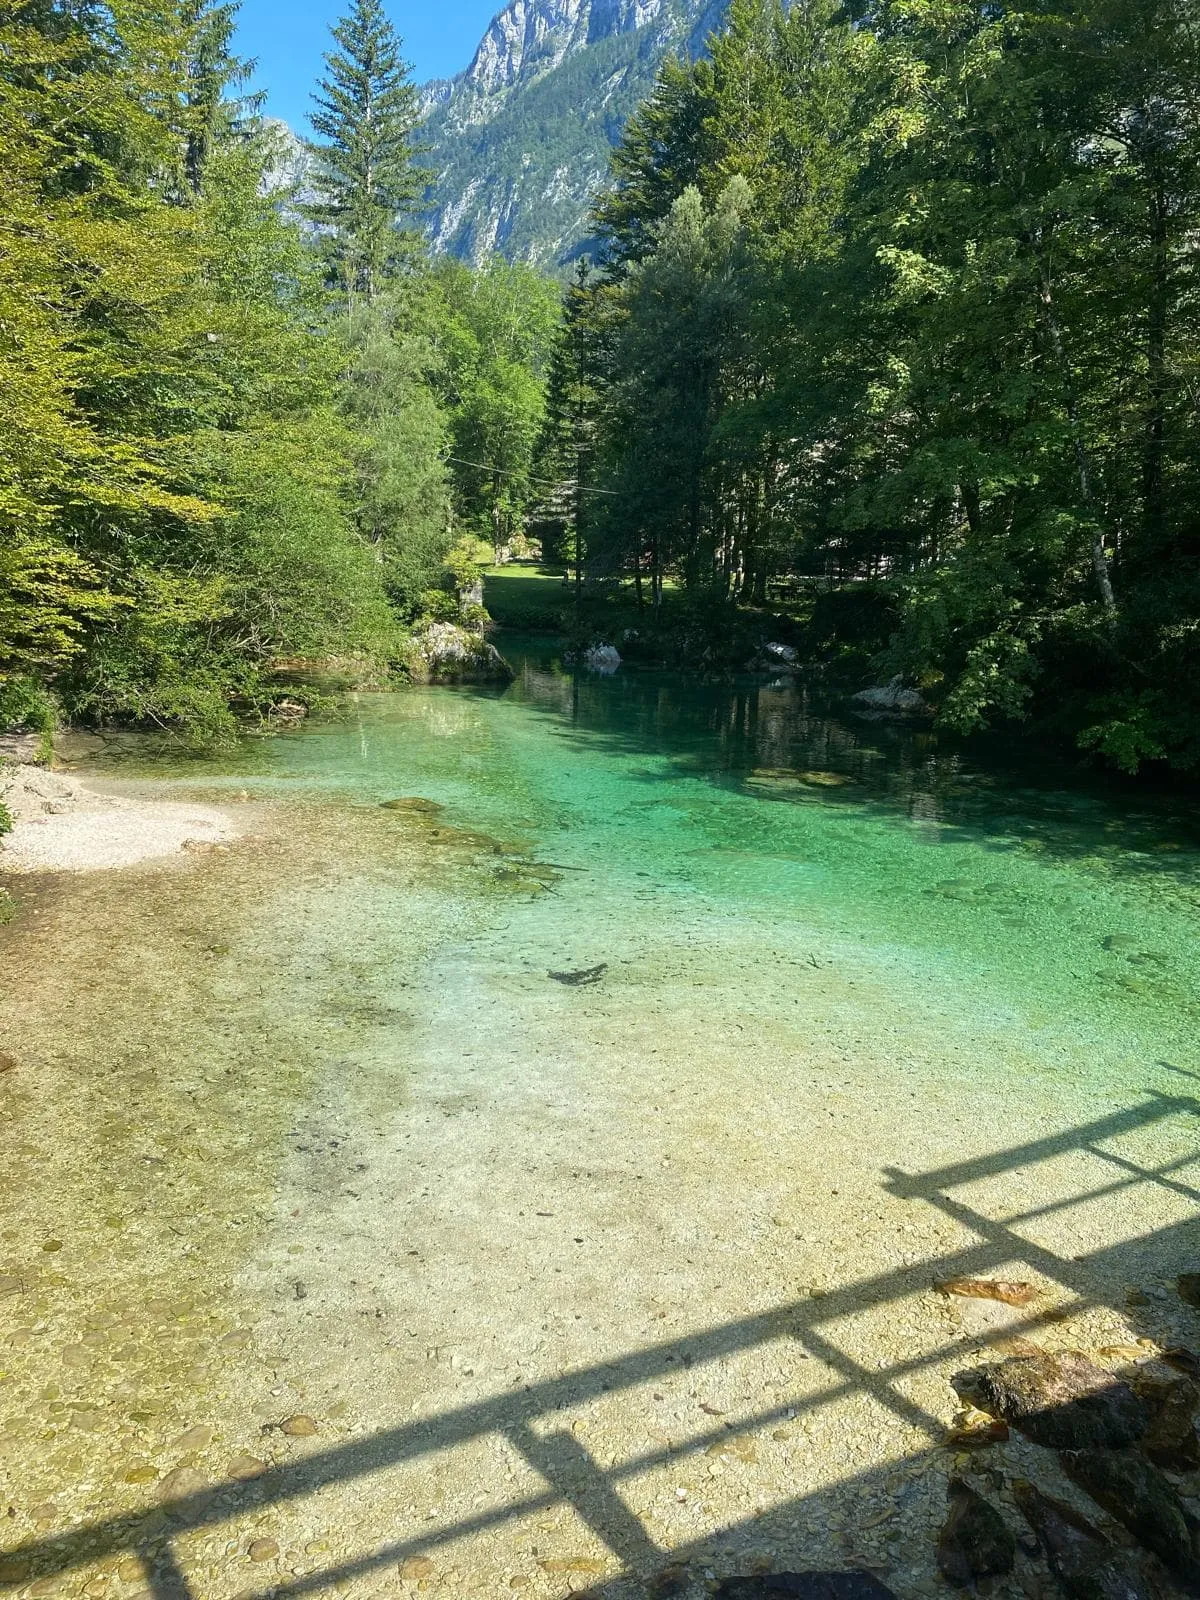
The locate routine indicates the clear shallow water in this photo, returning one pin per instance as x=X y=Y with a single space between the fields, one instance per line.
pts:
x=1067 y=911
x=311 y=1127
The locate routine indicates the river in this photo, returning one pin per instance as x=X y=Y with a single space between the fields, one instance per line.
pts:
x=523 y=1161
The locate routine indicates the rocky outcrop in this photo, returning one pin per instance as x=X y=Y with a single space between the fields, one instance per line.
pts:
x=575 y=67
x=1137 y=1494
x=442 y=652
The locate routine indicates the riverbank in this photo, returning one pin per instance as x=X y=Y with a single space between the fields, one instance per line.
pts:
x=62 y=824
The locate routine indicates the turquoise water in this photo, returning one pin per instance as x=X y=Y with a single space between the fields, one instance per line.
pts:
x=319 y=1126
x=1068 y=911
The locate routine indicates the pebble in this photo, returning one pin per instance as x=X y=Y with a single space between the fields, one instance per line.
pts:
x=416 y=1567
x=182 y=1481
x=245 y=1467
x=263 y=1550
x=298 y=1427
x=46 y=1512
x=197 y=1438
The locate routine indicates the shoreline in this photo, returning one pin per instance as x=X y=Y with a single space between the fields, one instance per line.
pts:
x=64 y=824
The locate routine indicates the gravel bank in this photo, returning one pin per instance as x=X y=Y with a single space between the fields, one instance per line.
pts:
x=62 y=826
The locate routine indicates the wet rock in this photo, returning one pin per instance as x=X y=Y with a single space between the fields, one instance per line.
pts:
x=263 y=1550
x=1136 y=1493
x=197 y=1438
x=298 y=1427
x=1086 y=1565
x=805 y=1586
x=975 y=1541
x=1188 y=1285
x=180 y=1483
x=1173 y=1438
x=244 y=1467
x=1182 y=1360
x=1064 y=1402
x=1012 y=1294
x=892 y=698
x=602 y=658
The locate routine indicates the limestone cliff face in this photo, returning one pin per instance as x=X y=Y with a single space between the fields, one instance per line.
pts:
x=520 y=140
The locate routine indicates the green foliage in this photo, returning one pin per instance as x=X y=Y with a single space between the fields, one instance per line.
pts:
x=495 y=332
x=940 y=354
x=365 y=116
x=173 y=464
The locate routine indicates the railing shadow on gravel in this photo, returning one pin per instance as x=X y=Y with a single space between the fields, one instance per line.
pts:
x=574 y=1478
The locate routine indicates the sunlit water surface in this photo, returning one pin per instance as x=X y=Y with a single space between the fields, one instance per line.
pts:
x=323 y=1126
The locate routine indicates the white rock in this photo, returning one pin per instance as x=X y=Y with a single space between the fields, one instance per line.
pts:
x=603 y=658
x=893 y=697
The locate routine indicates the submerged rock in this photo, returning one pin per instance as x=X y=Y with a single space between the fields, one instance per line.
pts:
x=442 y=652
x=583 y=976
x=1086 y=1565
x=975 y=1541
x=1064 y=1402
x=805 y=1586
x=892 y=698
x=1136 y=1493
x=1173 y=1438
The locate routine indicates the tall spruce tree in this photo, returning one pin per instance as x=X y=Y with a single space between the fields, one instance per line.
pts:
x=366 y=114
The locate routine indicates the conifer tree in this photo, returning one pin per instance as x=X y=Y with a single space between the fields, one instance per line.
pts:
x=365 y=115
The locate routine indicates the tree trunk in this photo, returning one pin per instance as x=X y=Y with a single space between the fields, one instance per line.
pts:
x=1083 y=463
x=1153 y=446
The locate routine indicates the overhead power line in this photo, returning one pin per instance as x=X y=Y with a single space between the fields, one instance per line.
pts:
x=550 y=483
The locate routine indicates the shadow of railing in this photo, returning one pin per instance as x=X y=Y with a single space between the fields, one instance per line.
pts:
x=573 y=1477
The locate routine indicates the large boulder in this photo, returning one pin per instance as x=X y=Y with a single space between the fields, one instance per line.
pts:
x=892 y=699
x=442 y=652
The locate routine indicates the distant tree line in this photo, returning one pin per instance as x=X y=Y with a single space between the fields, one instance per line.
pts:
x=902 y=298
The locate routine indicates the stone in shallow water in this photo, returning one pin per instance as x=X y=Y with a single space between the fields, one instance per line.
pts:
x=1137 y=1494
x=1173 y=1438
x=263 y=1550
x=1086 y=1565
x=1064 y=1402
x=298 y=1427
x=805 y=1586
x=975 y=1541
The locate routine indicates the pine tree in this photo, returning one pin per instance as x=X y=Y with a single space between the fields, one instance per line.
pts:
x=366 y=115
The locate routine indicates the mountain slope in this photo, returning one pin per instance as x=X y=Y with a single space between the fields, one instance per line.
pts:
x=520 y=140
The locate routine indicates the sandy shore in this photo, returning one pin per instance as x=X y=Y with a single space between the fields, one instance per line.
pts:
x=61 y=825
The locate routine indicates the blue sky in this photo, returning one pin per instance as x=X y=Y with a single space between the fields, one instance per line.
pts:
x=287 y=37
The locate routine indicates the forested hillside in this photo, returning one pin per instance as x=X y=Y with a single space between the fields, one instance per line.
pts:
x=225 y=439
x=897 y=323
